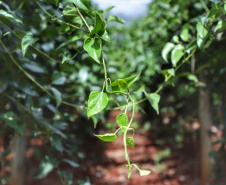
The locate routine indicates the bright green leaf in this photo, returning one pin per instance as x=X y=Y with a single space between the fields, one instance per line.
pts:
x=176 y=54
x=184 y=35
x=117 y=19
x=168 y=72
x=106 y=36
x=107 y=137
x=144 y=172
x=108 y=9
x=99 y=27
x=167 y=48
x=166 y=1
x=176 y=39
x=154 y=99
x=201 y=31
x=81 y=4
x=122 y=85
x=130 y=142
x=221 y=26
x=117 y=85
x=10 y=16
x=97 y=102
x=193 y=78
x=27 y=41
x=57 y=95
x=122 y=120
x=191 y=46
x=93 y=47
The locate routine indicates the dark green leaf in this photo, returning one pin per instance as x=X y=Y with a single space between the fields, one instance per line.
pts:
x=117 y=84
x=130 y=142
x=122 y=120
x=56 y=143
x=10 y=16
x=107 y=137
x=191 y=46
x=57 y=95
x=97 y=102
x=117 y=19
x=27 y=41
x=34 y=67
x=58 y=79
x=167 y=48
x=168 y=72
x=93 y=47
x=99 y=27
x=154 y=99
x=176 y=54
x=166 y=1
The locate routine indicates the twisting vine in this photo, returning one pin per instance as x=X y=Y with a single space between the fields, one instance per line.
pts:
x=99 y=100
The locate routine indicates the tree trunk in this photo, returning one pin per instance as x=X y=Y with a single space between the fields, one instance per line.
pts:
x=206 y=122
x=18 y=173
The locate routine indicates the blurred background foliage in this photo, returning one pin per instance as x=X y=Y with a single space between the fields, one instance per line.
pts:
x=44 y=94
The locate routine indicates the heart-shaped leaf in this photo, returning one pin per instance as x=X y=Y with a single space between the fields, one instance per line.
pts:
x=107 y=137
x=154 y=99
x=184 y=35
x=27 y=41
x=130 y=142
x=176 y=54
x=167 y=48
x=97 y=102
x=120 y=85
x=122 y=120
x=93 y=47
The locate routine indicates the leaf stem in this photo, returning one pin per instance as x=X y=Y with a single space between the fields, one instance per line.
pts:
x=82 y=17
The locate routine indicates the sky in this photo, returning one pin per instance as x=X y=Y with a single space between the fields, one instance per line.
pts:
x=127 y=9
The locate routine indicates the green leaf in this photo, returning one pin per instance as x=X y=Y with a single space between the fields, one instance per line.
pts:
x=176 y=54
x=106 y=36
x=8 y=15
x=93 y=47
x=167 y=48
x=46 y=166
x=72 y=163
x=176 y=39
x=168 y=72
x=81 y=4
x=201 y=31
x=58 y=79
x=144 y=172
x=107 y=137
x=130 y=142
x=154 y=99
x=122 y=120
x=117 y=19
x=193 y=78
x=108 y=9
x=215 y=10
x=119 y=84
x=27 y=41
x=57 y=95
x=184 y=35
x=97 y=102
x=99 y=27
x=95 y=119
x=191 y=46
x=221 y=26
x=56 y=143
x=12 y=122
